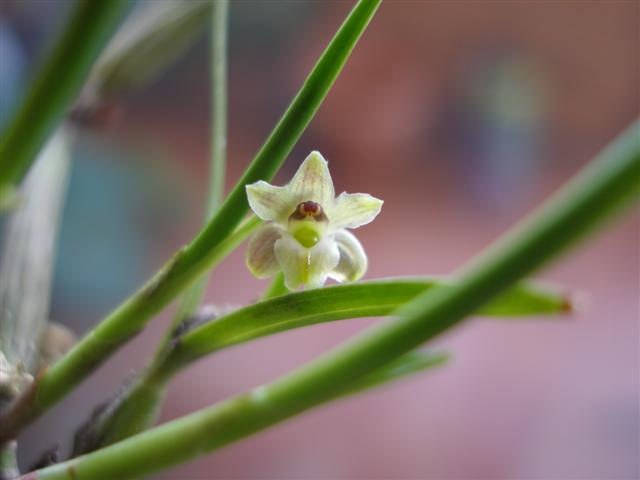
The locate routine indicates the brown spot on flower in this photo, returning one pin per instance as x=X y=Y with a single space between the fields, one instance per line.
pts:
x=308 y=210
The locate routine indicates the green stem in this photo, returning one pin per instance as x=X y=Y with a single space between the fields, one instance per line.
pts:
x=276 y=288
x=594 y=195
x=219 y=24
x=57 y=84
x=219 y=27
x=128 y=413
x=192 y=261
x=191 y=299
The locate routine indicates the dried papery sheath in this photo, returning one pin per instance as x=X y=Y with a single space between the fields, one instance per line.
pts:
x=306 y=233
x=151 y=40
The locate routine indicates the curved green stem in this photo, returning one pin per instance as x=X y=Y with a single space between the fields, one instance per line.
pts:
x=57 y=84
x=601 y=190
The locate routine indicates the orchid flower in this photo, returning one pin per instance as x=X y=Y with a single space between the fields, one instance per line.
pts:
x=306 y=234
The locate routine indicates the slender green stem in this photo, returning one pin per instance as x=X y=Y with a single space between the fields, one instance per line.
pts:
x=57 y=84
x=276 y=288
x=219 y=24
x=601 y=190
x=191 y=298
x=192 y=261
x=219 y=27
x=137 y=407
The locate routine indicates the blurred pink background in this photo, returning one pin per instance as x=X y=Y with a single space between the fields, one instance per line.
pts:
x=462 y=116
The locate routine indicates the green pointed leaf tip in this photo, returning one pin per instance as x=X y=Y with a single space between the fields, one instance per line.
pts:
x=365 y=299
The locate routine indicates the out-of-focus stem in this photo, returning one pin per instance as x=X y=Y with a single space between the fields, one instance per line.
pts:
x=57 y=85
x=217 y=165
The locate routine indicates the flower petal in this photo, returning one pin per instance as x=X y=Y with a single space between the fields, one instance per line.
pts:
x=312 y=181
x=353 y=261
x=261 y=258
x=270 y=202
x=352 y=210
x=307 y=266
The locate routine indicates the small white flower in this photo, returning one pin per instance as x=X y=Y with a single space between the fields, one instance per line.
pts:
x=305 y=235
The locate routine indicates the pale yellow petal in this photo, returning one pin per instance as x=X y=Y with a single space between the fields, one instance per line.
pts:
x=312 y=181
x=352 y=210
x=261 y=258
x=269 y=202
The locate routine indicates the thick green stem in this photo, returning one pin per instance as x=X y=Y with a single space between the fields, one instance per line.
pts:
x=57 y=84
x=594 y=195
x=192 y=261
